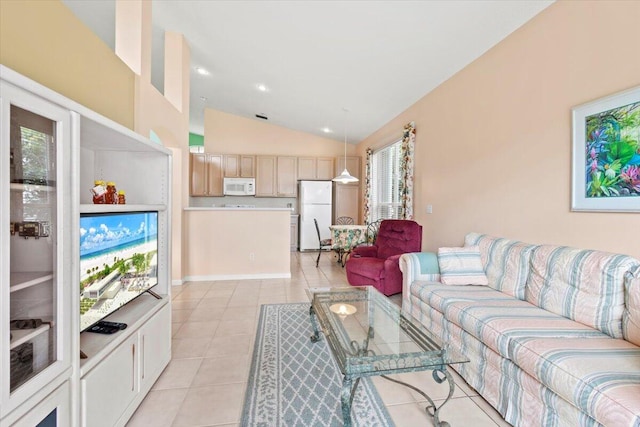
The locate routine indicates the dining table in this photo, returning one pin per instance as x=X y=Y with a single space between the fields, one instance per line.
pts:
x=346 y=237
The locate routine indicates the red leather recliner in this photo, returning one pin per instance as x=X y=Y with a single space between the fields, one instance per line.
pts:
x=377 y=265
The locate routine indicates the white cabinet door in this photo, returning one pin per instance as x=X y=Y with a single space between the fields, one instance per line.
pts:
x=110 y=387
x=155 y=347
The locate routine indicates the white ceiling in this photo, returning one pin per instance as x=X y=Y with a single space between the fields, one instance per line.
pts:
x=374 y=58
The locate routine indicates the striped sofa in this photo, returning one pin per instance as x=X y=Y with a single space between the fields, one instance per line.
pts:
x=553 y=340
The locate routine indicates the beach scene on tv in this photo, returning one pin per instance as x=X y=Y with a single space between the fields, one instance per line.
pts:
x=118 y=261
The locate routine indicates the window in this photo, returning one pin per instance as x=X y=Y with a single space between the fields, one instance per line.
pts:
x=385 y=182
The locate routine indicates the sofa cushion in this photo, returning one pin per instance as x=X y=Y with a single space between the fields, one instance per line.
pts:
x=631 y=316
x=584 y=285
x=506 y=262
x=461 y=266
x=599 y=376
x=497 y=319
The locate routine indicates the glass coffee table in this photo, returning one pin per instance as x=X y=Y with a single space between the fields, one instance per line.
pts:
x=371 y=336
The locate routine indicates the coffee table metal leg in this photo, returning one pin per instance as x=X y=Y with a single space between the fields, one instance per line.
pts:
x=439 y=375
x=316 y=332
x=346 y=398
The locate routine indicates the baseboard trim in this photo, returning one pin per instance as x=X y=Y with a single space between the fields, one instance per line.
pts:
x=177 y=282
x=237 y=277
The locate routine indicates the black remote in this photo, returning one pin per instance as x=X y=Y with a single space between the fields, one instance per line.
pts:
x=116 y=325
x=104 y=327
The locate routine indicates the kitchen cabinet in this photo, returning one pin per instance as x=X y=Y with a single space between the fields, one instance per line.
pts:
x=346 y=197
x=346 y=201
x=316 y=168
x=266 y=176
x=276 y=176
x=353 y=166
x=247 y=166
x=239 y=165
x=287 y=176
x=231 y=165
x=294 y=232
x=207 y=173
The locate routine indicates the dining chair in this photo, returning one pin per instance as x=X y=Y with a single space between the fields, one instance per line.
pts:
x=323 y=243
x=344 y=220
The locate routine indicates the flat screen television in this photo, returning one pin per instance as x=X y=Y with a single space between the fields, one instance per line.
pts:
x=118 y=261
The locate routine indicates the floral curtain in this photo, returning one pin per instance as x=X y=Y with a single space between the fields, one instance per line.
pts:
x=406 y=167
x=366 y=209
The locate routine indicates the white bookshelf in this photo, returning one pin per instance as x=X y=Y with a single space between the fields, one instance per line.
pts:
x=89 y=147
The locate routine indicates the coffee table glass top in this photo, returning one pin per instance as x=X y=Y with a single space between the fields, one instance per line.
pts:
x=370 y=335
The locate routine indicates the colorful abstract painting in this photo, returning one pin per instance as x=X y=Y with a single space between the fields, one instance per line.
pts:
x=607 y=152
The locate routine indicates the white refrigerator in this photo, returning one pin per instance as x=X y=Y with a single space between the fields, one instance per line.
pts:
x=314 y=201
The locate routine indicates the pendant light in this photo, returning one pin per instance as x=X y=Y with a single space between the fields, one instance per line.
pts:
x=345 y=177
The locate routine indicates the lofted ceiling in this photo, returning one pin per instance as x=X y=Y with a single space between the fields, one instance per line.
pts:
x=316 y=58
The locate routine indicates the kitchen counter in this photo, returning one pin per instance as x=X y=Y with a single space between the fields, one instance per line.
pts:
x=231 y=243
x=222 y=208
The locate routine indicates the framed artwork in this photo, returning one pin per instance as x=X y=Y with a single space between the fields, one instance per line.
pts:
x=606 y=154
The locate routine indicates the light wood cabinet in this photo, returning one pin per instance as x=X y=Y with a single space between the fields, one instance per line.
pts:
x=287 y=176
x=207 y=173
x=239 y=165
x=247 y=166
x=266 y=176
x=353 y=166
x=315 y=168
x=276 y=176
x=307 y=168
x=346 y=201
x=231 y=165
x=347 y=196
x=324 y=168
x=294 y=232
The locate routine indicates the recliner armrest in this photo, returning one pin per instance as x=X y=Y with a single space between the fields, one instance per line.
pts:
x=364 y=251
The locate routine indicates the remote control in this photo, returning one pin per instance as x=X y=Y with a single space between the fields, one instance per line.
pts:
x=116 y=325
x=104 y=327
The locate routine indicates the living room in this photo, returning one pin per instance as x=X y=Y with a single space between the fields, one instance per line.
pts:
x=493 y=142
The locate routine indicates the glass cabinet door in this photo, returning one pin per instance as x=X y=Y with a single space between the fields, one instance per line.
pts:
x=32 y=180
x=35 y=306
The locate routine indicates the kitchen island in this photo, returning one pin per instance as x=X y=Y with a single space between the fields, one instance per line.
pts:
x=223 y=243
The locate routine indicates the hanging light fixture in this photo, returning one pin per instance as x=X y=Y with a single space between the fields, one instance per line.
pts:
x=345 y=177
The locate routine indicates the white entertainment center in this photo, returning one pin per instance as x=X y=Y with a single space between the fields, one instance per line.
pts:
x=52 y=149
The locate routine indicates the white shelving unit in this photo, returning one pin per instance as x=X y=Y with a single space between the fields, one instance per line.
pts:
x=26 y=279
x=40 y=278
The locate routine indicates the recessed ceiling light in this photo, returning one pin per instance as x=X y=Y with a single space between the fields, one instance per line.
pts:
x=202 y=71
x=326 y=130
x=262 y=87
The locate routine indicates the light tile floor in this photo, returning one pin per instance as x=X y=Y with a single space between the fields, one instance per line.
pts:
x=213 y=333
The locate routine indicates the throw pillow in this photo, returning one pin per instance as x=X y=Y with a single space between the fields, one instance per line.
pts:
x=631 y=317
x=461 y=266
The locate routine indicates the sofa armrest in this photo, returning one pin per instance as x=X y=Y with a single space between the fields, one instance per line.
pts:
x=631 y=316
x=418 y=266
x=364 y=251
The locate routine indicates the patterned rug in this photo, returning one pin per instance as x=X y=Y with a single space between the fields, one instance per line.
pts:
x=294 y=382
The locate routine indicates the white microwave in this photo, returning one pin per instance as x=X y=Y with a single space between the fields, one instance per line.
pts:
x=239 y=186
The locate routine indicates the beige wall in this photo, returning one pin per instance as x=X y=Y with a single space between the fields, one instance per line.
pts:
x=230 y=134
x=237 y=235
x=44 y=41
x=493 y=143
x=58 y=51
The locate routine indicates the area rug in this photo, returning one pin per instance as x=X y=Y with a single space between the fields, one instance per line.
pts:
x=294 y=382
